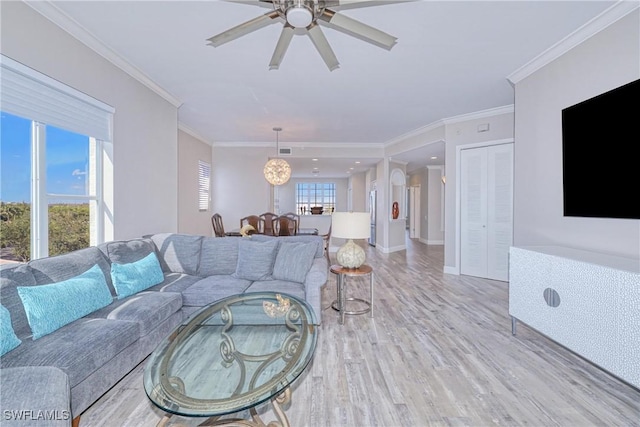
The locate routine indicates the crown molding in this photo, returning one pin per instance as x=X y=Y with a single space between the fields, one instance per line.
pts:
x=591 y=28
x=450 y=120
x=507 y=109
x=415 y=132
x=186 y=129
x=302 y=145
x=68 y=24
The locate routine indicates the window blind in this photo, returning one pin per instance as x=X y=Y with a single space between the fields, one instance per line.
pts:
x=30 y=94
x=204 y=183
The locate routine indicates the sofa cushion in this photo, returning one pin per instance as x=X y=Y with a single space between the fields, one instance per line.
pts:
x=210 y=289
x=179 y=253
x=35 y=388
x=11 y=300
x=126 y=251
x=293 y=261
x=301 y=238
x=219 y=255
x=137 y=276
x=175 y=282
x=62 y=267
x=255 y=259
x=8 y=338
x=281 y=286
x=79 y=348
x=49 y=307
x=148 y=309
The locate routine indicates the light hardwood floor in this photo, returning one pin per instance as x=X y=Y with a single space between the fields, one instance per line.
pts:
x=438 y=352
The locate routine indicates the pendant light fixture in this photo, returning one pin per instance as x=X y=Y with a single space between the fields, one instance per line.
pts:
x=277 y=171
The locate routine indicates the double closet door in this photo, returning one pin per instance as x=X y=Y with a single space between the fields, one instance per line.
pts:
x=486 y=211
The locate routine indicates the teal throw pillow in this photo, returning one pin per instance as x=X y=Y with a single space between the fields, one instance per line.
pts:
x=50 y=307
x=8 y=338
x=294 y=261
x=131 y=278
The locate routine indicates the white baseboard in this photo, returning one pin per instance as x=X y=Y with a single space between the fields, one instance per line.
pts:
x=451 y=270
x=391 y=249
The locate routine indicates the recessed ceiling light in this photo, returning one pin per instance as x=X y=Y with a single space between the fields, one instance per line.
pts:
x=433 y=157
x=314 y=160
x=315 y=169
x=350 y=169
x=357 y=162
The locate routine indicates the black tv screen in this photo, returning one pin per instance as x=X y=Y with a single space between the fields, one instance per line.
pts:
x=601 y=165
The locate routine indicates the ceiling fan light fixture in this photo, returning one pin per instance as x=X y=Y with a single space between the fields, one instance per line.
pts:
x=299 y=16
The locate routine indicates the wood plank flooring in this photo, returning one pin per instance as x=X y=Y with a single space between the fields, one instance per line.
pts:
x=438 y=352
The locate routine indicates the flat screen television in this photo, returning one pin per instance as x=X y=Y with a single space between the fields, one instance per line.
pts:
x=601 y=165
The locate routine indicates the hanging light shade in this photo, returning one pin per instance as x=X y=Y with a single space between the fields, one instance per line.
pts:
x=277 y=171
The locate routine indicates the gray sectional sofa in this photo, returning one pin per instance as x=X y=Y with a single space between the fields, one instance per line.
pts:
x=96 y=350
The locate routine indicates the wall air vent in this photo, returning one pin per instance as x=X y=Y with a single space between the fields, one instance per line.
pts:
x=284 y=151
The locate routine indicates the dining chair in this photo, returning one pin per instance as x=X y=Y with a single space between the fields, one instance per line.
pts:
x=218 y=227
x=294 y=216
x=254 y=220
x=326 y=239
x=284 y=226
x=268 y=222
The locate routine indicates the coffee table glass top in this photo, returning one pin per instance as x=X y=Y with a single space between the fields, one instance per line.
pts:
x=232 y=355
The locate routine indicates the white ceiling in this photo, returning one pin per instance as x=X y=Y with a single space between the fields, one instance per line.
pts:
x=451 y=58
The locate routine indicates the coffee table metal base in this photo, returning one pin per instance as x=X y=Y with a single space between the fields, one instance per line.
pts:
x=277 y=402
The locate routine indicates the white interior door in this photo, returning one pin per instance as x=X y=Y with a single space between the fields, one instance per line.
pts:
x=499 y=210
x=486 y=206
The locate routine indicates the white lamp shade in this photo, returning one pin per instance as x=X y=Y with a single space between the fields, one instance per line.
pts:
x=351 y=225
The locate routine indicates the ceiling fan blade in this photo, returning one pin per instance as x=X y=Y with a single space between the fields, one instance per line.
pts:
x=260 y=3
x=355 y=4
x=358 y=29
x=281 y=48
x=322 y=45
x=244 y=29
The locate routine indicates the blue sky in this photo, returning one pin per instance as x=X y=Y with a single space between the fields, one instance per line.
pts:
x=67 y=158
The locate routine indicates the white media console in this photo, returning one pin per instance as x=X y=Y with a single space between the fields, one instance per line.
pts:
x=586 y=301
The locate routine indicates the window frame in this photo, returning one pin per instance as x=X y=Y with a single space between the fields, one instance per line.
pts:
x=204 y=186
x=305 y=191
x=29 y=94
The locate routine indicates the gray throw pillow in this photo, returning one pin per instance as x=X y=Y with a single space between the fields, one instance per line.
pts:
x=255 y=259
x=294 y=261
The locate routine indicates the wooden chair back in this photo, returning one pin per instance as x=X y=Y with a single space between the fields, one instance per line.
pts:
x=326 y=238
x=296 y=217
x=254 y=220
x=284 y=226
x=268 y=222
x=218 y=227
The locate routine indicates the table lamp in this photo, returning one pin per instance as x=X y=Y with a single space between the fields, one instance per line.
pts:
x=351 y=225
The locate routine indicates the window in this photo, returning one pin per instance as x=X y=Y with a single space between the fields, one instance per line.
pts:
x=204 y=184
x=315 y=195
x=53 y=139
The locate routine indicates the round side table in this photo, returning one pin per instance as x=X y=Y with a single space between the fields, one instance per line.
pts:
x=340 y=304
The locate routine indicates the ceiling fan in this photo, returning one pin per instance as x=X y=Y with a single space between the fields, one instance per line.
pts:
x=304 y=16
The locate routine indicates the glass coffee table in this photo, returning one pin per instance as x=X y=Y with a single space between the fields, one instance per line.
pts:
x=232 y=356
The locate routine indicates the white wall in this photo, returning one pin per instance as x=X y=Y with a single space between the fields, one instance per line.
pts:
x=607 y=60
x=190 y=219
x=359 y=192
x=239 y=188
x=434 y=207
x=145 y=126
